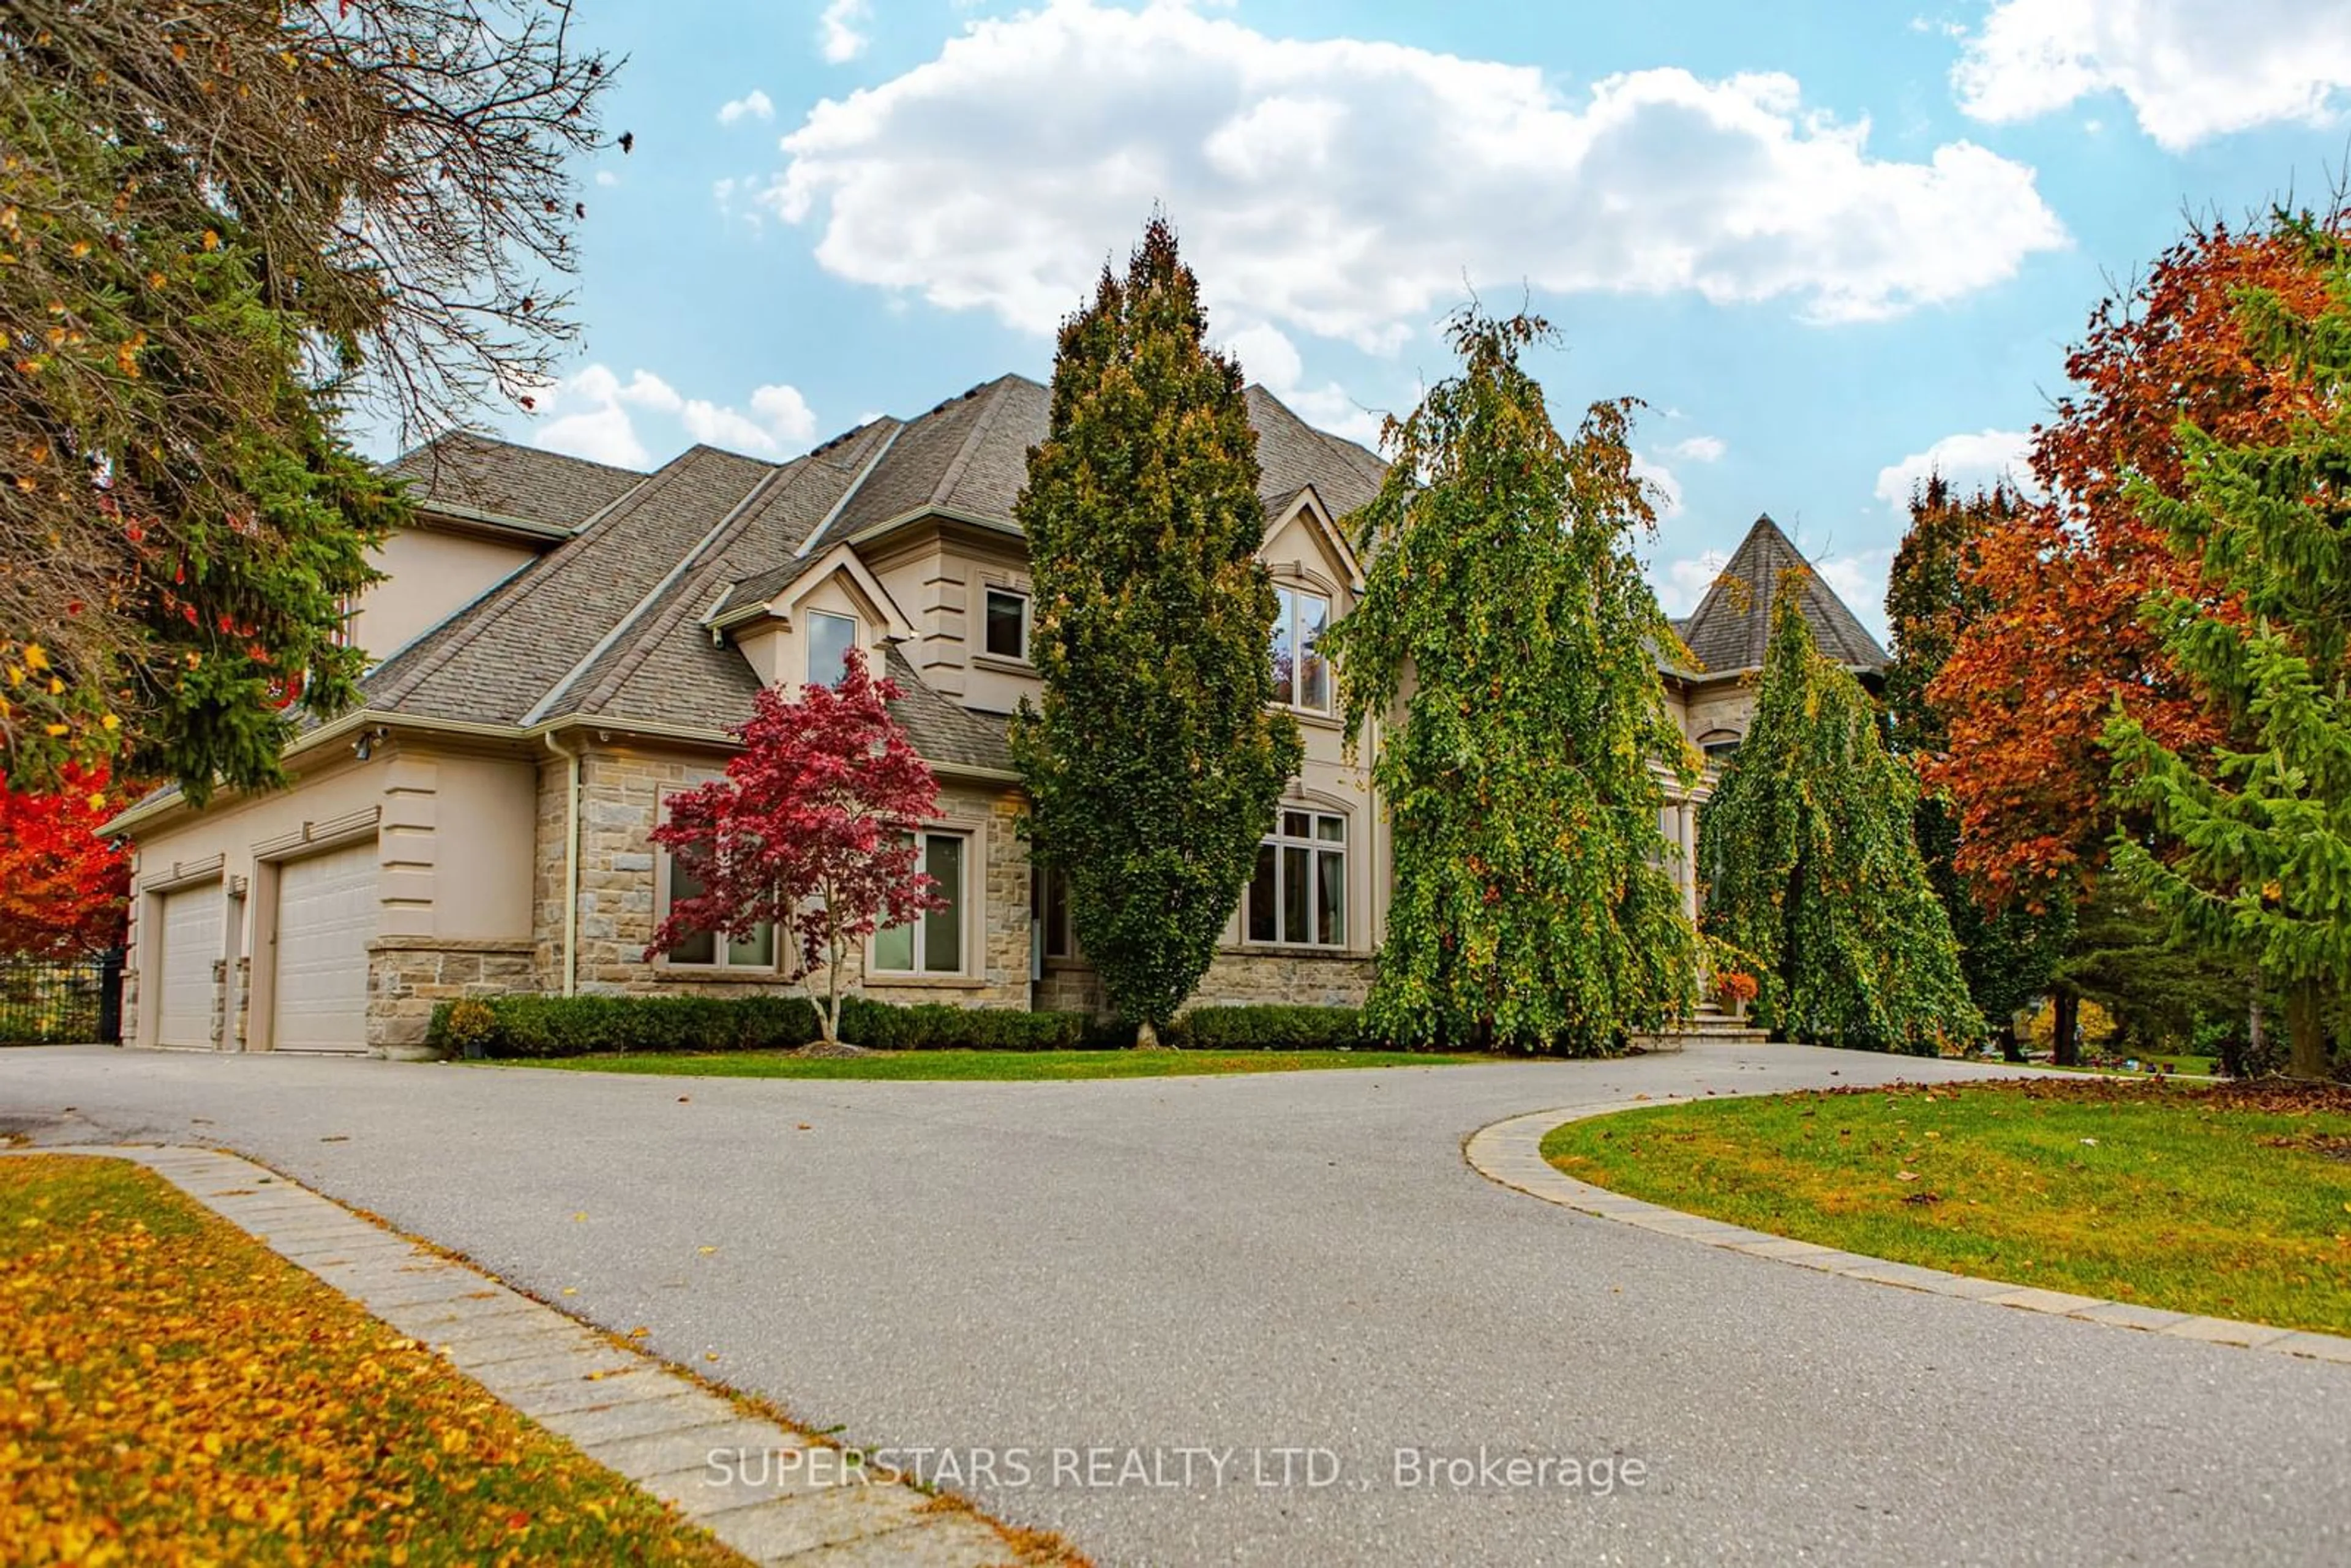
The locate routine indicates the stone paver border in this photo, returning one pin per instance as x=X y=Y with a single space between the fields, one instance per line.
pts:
x=1509 y=1154
x=630 y=1413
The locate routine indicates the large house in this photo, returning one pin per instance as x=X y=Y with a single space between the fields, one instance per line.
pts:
x=564 y=643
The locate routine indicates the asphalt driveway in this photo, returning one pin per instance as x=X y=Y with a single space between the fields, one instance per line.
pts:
x=1275 y=1320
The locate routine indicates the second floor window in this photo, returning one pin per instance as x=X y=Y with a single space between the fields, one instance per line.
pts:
x=1301 y=676
x=829 y=639
x=1007 y=623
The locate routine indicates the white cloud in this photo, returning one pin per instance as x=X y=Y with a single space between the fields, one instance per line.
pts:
x=1966 y=460
x=839 y=33
x=1344 y=189
x=606 y=178
x=752 y=105
x=2190 y=69
x=1860 y=580
x=1664 y=490
x=1267 y=355
x=593 y=413
x=1684 y=582
x=1699 y=449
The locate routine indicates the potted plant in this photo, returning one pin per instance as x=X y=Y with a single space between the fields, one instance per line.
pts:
x=1736 y=989
x=469 y=1027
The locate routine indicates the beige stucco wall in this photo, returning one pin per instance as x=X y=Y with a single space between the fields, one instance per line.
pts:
x=429 y=575
x=621 y=901
x=453 y=836
x=940 y=580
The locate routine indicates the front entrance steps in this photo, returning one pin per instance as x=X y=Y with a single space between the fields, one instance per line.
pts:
x=1710 y=1024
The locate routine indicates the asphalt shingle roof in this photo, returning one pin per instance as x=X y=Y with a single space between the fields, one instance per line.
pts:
x=494 y=660
x=509 y=481
x=614 y=622
x=1732 y=624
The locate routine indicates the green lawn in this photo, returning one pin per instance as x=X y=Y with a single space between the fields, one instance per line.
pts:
x=2234 y=1202
x=1043 y=1065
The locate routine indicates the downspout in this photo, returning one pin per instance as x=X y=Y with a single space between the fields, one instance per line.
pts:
x=570 y=862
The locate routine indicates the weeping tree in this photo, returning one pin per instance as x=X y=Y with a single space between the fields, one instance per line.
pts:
x=1505 y=614
x=2250 y=850
x=1154 y=760
x=1813 y=868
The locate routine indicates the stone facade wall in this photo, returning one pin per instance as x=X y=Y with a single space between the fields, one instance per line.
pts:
x=1237 y=976
x=1290 y=977
x=619 y=900
x=409 y=975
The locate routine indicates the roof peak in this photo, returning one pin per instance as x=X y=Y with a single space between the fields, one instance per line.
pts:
x=1731 y=626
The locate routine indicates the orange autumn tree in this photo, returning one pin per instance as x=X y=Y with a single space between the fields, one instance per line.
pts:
x=62 y=887
x=2031 y=682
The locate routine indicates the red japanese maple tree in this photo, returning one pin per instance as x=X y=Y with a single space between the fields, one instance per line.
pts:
x=811 y=830
x=63 y=889
x=2031 y=683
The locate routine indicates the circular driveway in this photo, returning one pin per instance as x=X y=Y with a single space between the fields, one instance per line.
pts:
x=1278 y=1319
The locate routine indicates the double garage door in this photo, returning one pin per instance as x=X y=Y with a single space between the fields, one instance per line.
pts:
x=326 y=916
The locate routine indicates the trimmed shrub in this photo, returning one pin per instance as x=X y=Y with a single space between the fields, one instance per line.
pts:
x=530 y=1026
x=545 y=1026
x=1270 y=1028
x=937 y=1026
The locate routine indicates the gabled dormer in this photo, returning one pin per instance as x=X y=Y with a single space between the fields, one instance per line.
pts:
x=796 y=625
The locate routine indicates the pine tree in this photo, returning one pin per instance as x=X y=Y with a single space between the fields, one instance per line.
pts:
x=1155 y=761
x=1812 y=867
x=2251 y=847
x=1505 y=610
x=2008 y=950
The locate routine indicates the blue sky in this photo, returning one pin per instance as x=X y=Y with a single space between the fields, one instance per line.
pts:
x=1829 y=243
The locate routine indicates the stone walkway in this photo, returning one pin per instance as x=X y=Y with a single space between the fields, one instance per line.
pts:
x=761 y=1488
x=1510 y=1152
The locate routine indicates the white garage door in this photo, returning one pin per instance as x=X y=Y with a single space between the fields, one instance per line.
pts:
x=191 y=943
x=326 y=914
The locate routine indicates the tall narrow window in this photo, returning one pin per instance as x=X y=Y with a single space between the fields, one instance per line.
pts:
x=1049 y=894
x=1298 y=893
x=1007 y=623
x=934 y=943
x=829 y=639
x=1301 y=675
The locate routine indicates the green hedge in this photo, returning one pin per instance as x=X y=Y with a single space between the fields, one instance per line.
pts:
x=543 y=1026
x=938 y=1026
x=537 y=1025
x=1270 y=1028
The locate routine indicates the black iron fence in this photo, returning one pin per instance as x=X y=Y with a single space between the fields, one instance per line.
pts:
x=61 y=1001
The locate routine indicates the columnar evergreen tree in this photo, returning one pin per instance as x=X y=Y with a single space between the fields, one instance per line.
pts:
x=1811 y=866
x=1505 y=610
x=2008 y=950
x=1155 y=761
x=2250 y=846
